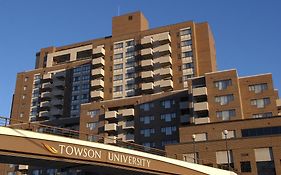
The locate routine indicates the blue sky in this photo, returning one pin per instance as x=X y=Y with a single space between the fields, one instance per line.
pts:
x=247 y=32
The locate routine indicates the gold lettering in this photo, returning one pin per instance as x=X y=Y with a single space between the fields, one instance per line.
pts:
x=61 y=148
x=69 y=150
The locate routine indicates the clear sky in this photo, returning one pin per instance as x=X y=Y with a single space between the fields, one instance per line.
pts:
x=247 y=32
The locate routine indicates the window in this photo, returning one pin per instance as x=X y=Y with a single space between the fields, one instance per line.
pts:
x=75 y=97
x=186 y=54
x=147 y=132
x=146 y=106
x=147 y=119
x=201 y=137
x=93 y=112
x=23 y=97
x=231 y=134
x=225 y=99
x=75 y=88
x=37 y=77
x=118 y=45
x=187 y=66
x=85 y=86
x=25 y=79
x=24 y=88
x=117 y=77
x=117 y=88
x=253 y=132
x=86 y=68
x=258 y=88
x=260 y=103
x=245 y=166
x=167 y=103
x=75 y=79
x=186 y=43
x=130 y=43
x=130 y=63
x=186 y=77
x=84 y=96
x=190 y=157
x=118 y=66
x=262 y=115
x=130 y=53
x=77 y=70
x=223 y=84
x=149 y=144
x=130 y=75
x=92 y=125
x=169 y=130
x=21 y=115
x=168 y=117
x=74 y=107
x=85 y=77
x=167 y=142
x=130 y=86
x=118 y=56
x=226 y=115
x=185 y=31
x=35 y=94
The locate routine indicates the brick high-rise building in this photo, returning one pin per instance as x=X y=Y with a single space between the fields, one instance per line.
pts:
x=148 y=86
x=134 y=61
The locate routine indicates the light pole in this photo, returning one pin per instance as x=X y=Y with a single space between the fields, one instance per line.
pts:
x=194 y=150
x=225 y=132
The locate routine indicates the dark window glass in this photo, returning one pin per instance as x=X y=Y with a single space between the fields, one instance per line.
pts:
x=246 y=166
x=261 y=131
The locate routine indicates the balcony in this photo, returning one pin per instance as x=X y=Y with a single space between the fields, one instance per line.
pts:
x=46 y=95
x=56 y=112
x=45 y=104
x=127 y=112
x=110 y=139
x=202 y=106
x=98 y=62
x=188 y=71
x=166 y=84
x=186 y=48
x=199 y=91
x=57 y=102
x=201 y=120
x=163 y=37
x=98 y=72
x=47 y=76
x=187 y=60
x=147 y=86
x=98 y=83
x=147 y=63
x=47 y=86
x=165 y=60
x=97 y=95
x=186 y=37
x=148 y=52
x=166 y=72
x=58 y=92
x=60 y=75
x=129 y=125
x=98 y=52
x=146 y=42
x=44 y=114
x=129 y=138
x=147 y=74
x=163 y=49
x=59 y=84
x=110 y=114
x=110 y=127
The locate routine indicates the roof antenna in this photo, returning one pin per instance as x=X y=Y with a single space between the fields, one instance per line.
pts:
x=118 y=10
